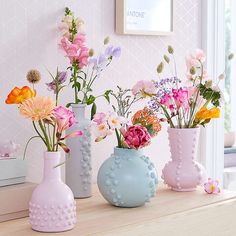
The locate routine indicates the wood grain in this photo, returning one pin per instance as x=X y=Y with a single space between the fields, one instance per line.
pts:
x=168 y=212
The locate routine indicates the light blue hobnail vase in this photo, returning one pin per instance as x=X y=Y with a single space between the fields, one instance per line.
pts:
x=128 y=178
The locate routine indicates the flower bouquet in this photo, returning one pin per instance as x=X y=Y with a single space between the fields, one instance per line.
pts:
x=128 y=178
x=49 y=121
x=85 y=69
x=185 y=107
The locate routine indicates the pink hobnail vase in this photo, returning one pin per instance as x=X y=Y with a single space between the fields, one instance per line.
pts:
x=183 y=173
x=52 y=207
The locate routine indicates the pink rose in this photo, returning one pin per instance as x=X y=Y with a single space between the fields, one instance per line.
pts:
x=64 y=117
x=79 y=40
x=137 y=136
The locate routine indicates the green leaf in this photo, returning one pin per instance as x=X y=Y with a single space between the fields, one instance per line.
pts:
x=93 y=110
x=90 y=100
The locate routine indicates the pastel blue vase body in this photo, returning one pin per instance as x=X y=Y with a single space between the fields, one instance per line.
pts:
x=128 y=178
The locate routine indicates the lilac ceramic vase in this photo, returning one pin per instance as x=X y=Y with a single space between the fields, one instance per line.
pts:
x=183 y=173
x=52 y=207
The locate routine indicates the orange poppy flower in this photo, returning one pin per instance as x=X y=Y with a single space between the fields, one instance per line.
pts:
x=147 y=119
x=17 y=95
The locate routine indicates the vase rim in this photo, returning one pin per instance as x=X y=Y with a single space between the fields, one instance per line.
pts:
x=183 y=128
x=128 y=149
x=78 y=105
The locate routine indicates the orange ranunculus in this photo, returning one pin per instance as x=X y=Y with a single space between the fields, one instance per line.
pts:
x=147 y=119
x=206 y=114
x=17 y=95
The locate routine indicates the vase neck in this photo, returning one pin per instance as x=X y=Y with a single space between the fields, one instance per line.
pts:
x=51 y=172
x=127 y=152
x=79 y=110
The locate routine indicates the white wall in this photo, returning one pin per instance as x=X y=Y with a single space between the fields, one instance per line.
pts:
x=28 y=39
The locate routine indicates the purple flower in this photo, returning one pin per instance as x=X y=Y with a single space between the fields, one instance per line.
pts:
x=99 y=63
x=62 y=76
x=112 y=51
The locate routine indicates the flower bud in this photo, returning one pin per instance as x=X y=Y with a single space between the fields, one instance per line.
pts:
x=192 y=70
x=208 y=83
x=230 y=56
x=160 y=67
x=91 y=52
x=170 y=49
x=167 y=59
x=106 y=40
x=221 y=77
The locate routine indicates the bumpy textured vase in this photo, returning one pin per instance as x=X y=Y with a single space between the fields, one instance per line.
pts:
x=52 y=207
x=78 y=165
x=128 y=178
x=183 y=173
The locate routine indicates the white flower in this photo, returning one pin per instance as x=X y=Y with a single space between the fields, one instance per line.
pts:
x=144 y=88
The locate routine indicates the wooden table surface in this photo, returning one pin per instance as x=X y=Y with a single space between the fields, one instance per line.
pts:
x=169 y=213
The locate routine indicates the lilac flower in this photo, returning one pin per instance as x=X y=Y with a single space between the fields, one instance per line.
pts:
x=112 y=51
x=62 y=76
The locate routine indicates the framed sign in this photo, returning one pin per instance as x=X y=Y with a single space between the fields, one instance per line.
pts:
x=144 y=17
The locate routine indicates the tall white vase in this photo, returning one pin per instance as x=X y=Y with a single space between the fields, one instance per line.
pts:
x=78 y=164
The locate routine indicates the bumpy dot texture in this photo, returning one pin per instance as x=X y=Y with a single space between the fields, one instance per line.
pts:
x=127 y=181
x=52 y=218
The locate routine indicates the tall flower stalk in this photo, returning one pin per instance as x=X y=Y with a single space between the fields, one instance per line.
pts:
x=84 y=67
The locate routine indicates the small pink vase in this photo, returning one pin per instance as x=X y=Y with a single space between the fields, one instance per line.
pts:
x=52 y=207
x=183 y=173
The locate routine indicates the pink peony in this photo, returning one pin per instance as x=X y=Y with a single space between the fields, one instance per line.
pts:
x=181 y=98
x=212 y=186
x=144 y=88
x=64 y=117
x=137 y=136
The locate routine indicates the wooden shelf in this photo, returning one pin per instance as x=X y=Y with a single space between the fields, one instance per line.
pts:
x=169 y=213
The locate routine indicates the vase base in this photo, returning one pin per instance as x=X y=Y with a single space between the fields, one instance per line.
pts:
x=53 y=230
x=82 y=197
x=183 y=189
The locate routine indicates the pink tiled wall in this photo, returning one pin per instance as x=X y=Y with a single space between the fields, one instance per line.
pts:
x=28 y=39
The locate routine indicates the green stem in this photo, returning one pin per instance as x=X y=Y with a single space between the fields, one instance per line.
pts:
x=118 y=138
x=26 y=146
x=39 y=133
x=74 y=76
x=45 y=135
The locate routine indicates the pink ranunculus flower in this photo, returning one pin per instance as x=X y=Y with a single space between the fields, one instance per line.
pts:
x=212 y=186
x=181 y=98
x=144 y=88
x=64 y=117
x=137 y=136
x=79 y=40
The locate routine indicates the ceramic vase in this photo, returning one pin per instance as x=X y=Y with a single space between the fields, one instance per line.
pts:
x=183 y=172
x=52 y=207
x=128 y=178
x=78 y=164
